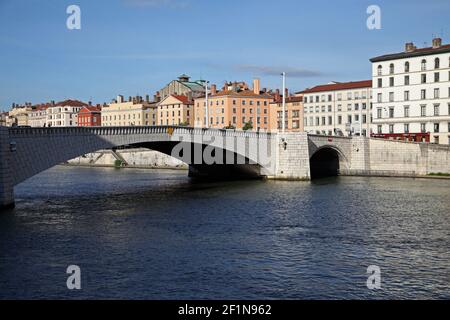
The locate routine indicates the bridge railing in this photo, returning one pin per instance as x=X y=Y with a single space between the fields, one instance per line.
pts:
x=136 y=130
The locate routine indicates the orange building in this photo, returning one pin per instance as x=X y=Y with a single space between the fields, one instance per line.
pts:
x=293 y=113
x=176 y=110
x=90 y=116
x=236 y=106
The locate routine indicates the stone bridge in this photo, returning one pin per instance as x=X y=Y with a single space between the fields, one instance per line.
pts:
x=218 y=154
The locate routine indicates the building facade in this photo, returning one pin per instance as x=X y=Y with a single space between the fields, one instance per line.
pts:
x=64 y=113
x=293 y=114
x=136 y=112
x=183 y=87
x=236 y=106
x=412 y=94
x=38 y=117
x=338 y=108
x=90 y=116
x=18 y=115
x=176 y=110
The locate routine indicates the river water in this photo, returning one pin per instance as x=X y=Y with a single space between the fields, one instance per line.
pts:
x=154 y=234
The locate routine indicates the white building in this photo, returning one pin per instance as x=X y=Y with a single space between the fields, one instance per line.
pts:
x=38 y=117
x=411 y=94
x=338 y=108
x=64 y=114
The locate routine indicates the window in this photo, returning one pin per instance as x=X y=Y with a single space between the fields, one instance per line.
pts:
x=406 y=128
x=436 y=63
x=380 y=70
x=406 y=95
x=424 y=65
x=329 y=97
x=380 y=97
x=406 y=80
x=423 y=94
x=391 y=128
x=391 y=97
x=407 y=66
x=339 y=119
x=391 y=68
x=436 y=127
x=436 y=76
x=391 y=81
x=423 y=110
x=436 y=110
x=379 y=129
x=330 y=120
x=406 y=111
x=379 y=113
x=391 y=112
x=423 y=127
x=436 y=93
x=380 y=83
x=424 y=78
x=364 y=118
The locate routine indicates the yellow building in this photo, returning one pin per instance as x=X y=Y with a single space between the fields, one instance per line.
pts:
x=19 y=115
x=131 y=113
x=236 y=106
x=293 y=114
x=176 y=110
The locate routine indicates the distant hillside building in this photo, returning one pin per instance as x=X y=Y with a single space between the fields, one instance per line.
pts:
x=184 y=87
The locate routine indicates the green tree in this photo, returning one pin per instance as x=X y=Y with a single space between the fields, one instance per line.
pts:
x=248 y=126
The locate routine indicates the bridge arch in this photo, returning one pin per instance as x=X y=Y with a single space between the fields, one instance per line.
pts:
x=327 y=161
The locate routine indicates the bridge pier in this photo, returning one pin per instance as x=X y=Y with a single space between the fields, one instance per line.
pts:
x=6 y=181
x=292 y=157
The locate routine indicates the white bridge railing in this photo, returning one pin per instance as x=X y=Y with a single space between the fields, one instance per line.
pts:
x=136 y=130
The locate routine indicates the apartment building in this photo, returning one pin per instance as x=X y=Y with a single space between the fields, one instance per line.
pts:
x=176 y=110
x=293 y=113
x=90 y=116
x=338 y=108
x=236 y=106
x=38 y=117
x=412 y=94
x=19 y=114
x=64 y=113
x=134 y=112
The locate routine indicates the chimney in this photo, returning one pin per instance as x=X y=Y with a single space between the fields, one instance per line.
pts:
x=53 y=102
x=256 y=86
x=409 y=47
x=90 y=103
x=213 y=89
x=147 y=98
x=437 y=42
x=119 y=99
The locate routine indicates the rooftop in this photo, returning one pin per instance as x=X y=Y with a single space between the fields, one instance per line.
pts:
x=415 y=52
x=339 y=86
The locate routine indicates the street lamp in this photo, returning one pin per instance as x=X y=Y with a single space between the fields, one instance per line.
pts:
x=207 y=106
x=283 y=117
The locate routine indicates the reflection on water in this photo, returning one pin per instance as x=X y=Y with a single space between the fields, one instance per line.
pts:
x=156 y=234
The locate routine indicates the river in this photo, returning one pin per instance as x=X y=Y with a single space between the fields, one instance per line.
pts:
x=154 y=234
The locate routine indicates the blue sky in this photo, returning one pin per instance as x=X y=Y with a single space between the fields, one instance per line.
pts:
x=134 y=47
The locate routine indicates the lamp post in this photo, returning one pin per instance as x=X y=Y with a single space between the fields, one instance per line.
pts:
x=283 y=117
x=207 y=106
